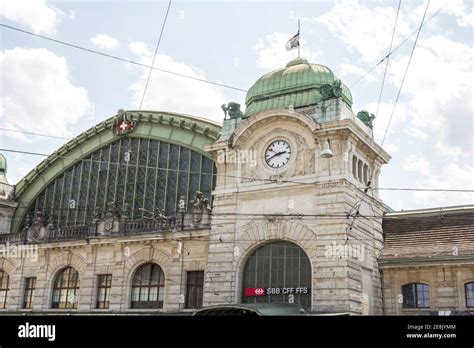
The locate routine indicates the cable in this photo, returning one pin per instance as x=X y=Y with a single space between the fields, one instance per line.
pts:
x=398 y=46
x=405 y=73
x=119 y=58
x=154 y=56
x=33 y=133
x=399 y=91
x=387 y=62
x=231 y=176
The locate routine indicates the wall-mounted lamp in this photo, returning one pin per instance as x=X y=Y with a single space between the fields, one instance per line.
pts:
x=326 y=153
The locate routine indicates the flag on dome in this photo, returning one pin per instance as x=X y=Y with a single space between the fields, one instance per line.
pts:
x=293 y=42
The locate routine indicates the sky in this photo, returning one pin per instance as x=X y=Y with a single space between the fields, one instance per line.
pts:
x=54 y=89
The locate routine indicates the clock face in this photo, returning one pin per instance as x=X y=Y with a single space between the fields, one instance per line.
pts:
x=278 y=154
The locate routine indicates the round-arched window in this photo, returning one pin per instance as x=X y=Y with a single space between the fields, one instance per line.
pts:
x=66 y=289
x=277 y=272
x=148 y=287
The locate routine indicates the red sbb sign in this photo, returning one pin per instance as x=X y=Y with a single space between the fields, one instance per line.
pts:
x=248 y=292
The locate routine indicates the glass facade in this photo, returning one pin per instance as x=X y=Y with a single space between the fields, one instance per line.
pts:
x=277 y=272
x=134 y=173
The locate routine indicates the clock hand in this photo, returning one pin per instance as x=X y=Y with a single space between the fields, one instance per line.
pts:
x=277 y=154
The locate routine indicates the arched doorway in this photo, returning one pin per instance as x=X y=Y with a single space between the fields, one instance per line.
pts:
x=277 y=272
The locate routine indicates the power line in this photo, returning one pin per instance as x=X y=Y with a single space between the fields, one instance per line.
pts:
x=399 y=91
x=397 y=47
x=33 y=133
x=120 y=58
x=388 y=60
x=154 y=56
x=405 y=73
x=228 y=175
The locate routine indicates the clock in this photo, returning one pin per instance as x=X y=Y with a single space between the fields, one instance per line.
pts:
x=277 y=154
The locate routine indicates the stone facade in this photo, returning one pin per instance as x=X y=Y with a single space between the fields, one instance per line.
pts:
x=447 y=287
x=310 y=186
x=119 y=256
x=434 y=247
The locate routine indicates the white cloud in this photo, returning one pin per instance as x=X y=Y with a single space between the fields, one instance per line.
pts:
x=347 y=69
x=415 y=133
x=364 y=30
x=13 y=135
x=464 y=16
x=167 y=92
x=417 y=163
x=451 y=176
x=382 y=118
x=37 y=93
x=439 y=89
x=272 y=54
x=104 y=41
x=35 y=14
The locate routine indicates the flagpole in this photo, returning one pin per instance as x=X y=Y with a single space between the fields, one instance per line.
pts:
x=299 y=38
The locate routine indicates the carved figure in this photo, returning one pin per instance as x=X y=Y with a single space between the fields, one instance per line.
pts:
x=329 y=91
x=366 y=118
x=233 y=109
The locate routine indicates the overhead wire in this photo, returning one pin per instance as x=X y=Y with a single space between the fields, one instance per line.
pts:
x=398 y=46
x=120 y=58
x=277 y=181
x=154 y=55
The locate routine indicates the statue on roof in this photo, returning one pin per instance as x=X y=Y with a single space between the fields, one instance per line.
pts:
x=233 y=109
x=366 y=118
x=329 y=91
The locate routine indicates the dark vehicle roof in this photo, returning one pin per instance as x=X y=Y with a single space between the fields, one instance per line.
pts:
x=253 y=309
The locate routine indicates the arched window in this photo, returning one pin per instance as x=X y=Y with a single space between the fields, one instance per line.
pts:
x=277 y=272
x=359 y=170
x=148 y=287
x=416 y=295
x=4 y=283
x=469 y=290
x=66 y=289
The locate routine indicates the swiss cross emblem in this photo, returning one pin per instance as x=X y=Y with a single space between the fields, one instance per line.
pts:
x=123 y=123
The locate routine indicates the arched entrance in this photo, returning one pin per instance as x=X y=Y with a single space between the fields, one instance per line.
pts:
x=277 y=272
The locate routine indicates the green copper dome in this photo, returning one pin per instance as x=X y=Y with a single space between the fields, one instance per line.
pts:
x=296 y=84
x=3 y=170
x=3 y=164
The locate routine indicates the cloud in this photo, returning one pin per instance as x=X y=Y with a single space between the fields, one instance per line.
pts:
x=439 y=89
x=37 y=93
x=272 y=54
x=464 y=16
x=35 y=14
x=382 y=118
x=167 y=92
x=417 y=163
x=451 y=176
x=347 y=69
x=366 y=31
x=104 y=41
